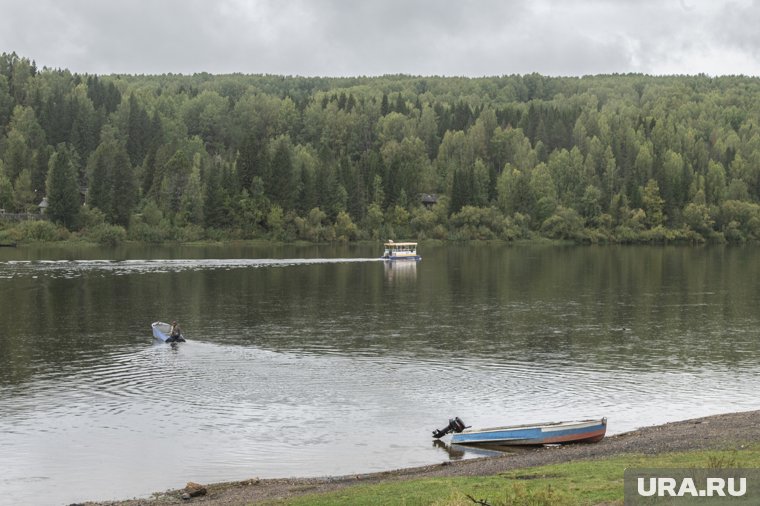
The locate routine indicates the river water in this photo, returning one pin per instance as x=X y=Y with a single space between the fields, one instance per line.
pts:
x=323 y=360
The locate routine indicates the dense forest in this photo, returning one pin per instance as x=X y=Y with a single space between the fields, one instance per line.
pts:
x=610 y=158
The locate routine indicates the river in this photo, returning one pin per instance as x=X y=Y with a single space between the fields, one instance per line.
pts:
x=323 y=360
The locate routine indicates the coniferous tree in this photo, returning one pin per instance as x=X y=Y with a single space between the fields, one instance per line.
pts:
x=385 y=107
x=6 y=101
x=100 y=188
x=176 y=173
x=282 y=185
x=62 y=186
x=125 y=188
x=252 y=161
x=138 y=132
x=215 y=215
x=84 y=127
x=461 y=190
x=157 y=139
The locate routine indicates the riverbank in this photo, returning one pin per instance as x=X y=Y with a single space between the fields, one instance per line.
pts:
x=734 y=431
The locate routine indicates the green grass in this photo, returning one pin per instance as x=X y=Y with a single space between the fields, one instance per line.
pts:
x=590 y=482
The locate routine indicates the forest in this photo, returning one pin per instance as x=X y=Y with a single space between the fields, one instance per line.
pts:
x=152 y=158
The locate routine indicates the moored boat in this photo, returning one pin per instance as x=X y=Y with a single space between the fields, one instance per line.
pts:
x=400 y=251
x=580 y=431
x=162 y=331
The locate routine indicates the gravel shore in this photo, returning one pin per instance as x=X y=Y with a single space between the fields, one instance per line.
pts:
x=720 y=432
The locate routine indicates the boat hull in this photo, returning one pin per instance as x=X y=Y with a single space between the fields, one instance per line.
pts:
x=415 y=258
x=161 y=331
x=584 y=431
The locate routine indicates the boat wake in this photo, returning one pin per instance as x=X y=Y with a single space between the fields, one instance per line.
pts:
x=75 y=268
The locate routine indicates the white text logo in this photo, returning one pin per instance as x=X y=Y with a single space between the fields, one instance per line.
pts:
x=670 y=487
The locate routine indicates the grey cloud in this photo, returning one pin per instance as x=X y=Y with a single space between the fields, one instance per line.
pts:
x=737 y=27
x=336 y=37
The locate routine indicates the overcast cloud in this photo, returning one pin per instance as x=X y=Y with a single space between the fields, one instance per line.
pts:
x=363 y=37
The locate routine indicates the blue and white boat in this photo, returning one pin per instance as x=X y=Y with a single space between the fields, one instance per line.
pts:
x=581 y=431
x=162 y=331
x=400 y=251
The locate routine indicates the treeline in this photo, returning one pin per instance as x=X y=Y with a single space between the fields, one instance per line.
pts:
x=616 y=158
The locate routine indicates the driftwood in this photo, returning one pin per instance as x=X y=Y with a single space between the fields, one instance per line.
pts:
x=482 y=502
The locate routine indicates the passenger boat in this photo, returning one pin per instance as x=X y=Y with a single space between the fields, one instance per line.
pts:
x=163 y=331
x=400 y=251
x=581 y=431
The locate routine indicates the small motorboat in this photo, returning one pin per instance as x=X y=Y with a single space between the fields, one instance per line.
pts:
x=581 y=431
x=163 y=331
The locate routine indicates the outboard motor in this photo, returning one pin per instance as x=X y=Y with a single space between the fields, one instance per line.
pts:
x=455 y=425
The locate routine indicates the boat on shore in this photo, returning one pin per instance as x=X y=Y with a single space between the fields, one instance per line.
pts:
x=400 y=251
x=580 y=431
x=162 y=331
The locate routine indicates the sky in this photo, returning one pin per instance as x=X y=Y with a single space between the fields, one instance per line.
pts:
x=367 y=38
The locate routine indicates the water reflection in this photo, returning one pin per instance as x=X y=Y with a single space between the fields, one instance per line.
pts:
x=455 y=452
x=459 y=452
x=402 y=271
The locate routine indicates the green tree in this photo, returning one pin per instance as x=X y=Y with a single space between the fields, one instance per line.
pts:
x=125 y=188
x=17 y=156
x=138 y=131
x=275 y=222
x=100 y=168
x=644 y=164
x=461 y=189
x=252 y=161
x=6 y=101
x=345 y=229
x=6 y=192
x=653 y=204
x=697 y=217
x=406 y=162
x=282 y=185
x=514 y=191
x=62 y=186
x=176 y=173
x=541 y=200
x=715 y=183
x=675 y=184
x=24 y=146
x=481 y=188
x=455 y=154
x=565 y=223
x=336 y=198
x=375 y=220
x=305 y=166
x=85 y=124
x=112 y=180
x=25 y=200
x=427 y=130
x=206 y=116
x=591 y=203
x=216 y=211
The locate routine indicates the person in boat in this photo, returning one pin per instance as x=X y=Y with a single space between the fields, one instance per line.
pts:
x=176 y=332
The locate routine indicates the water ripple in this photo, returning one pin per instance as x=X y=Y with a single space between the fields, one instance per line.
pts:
x=75 y=268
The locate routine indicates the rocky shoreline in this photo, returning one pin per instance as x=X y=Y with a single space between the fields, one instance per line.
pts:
x=719 y=432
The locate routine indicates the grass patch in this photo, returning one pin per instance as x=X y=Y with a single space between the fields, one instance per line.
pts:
x=590 y=482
